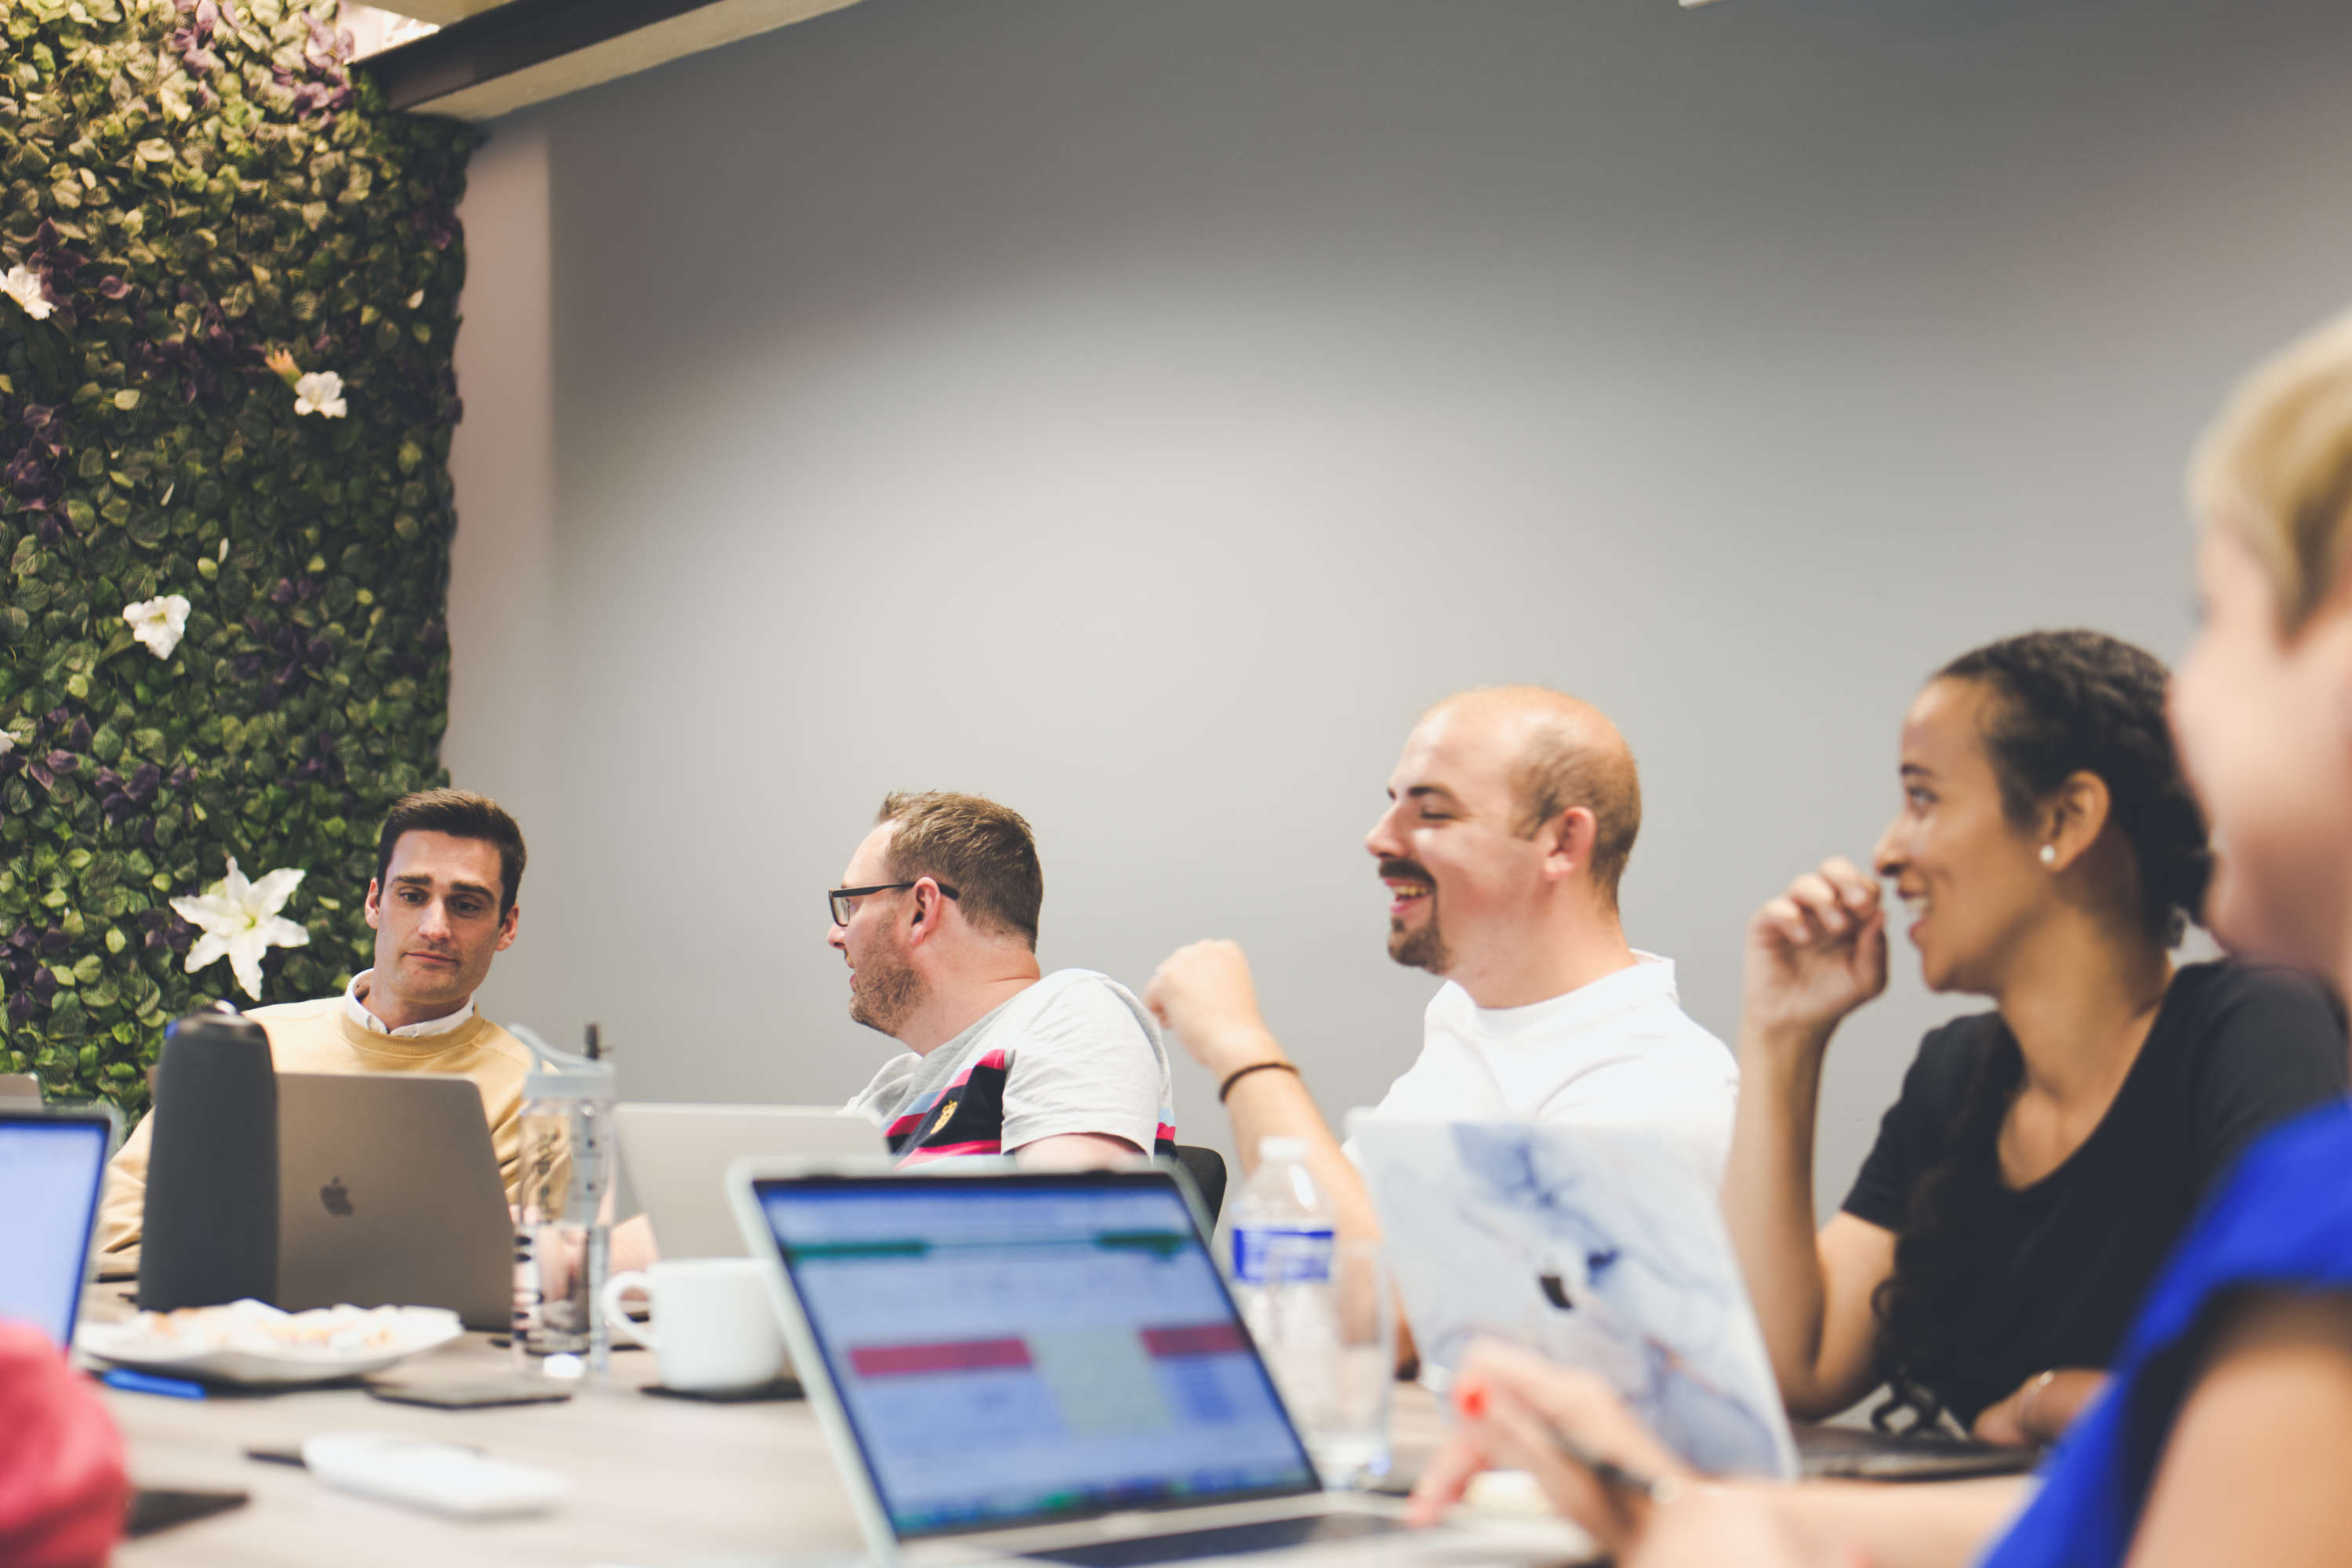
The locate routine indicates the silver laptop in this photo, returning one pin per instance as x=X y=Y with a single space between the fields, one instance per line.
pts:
x=19 y=1086
x=1048 y=1366
x=1602 y=1246
x=677 y=1158
x=389 y=1195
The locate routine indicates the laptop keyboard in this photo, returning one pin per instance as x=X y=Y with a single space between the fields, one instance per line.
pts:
x=1866 y=1453
x=1226 y=1540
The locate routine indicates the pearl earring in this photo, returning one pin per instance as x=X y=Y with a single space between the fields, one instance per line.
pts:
x=2050 y=854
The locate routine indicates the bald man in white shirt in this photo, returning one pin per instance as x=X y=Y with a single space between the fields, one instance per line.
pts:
x=1513 y=811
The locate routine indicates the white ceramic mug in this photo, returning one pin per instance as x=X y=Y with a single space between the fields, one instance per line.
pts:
x=713 y=1327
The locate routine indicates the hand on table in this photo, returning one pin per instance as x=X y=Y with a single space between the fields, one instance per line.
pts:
x=1515 y=1409
x=1709 y=1526
x=1204 y=996
x=561 y=1256
x=1814 y=953
x=2033 y=1414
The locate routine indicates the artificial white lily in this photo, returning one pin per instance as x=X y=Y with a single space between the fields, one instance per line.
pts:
x=320 y=391
x=242 y=921
x=159 y=622
x=22 y=284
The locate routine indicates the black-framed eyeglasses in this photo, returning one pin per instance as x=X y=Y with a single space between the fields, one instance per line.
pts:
x=837 y=901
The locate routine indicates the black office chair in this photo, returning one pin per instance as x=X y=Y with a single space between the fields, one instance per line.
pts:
x=1207 y=1169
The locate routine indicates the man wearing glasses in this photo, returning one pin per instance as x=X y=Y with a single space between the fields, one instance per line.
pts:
x=937 y=917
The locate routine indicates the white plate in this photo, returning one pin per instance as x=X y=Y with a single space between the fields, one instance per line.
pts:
x=229 y=1344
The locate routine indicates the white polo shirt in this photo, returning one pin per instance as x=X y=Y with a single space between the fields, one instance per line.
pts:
x=1620 y=1051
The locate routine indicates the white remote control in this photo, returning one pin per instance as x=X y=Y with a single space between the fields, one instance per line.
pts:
x=439 y=1478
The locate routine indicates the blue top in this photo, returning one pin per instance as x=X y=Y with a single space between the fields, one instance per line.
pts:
x=2282 y=1221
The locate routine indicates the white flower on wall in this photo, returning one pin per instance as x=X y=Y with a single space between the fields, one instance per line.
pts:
x=22 y=284
x=159 y=622
x=320 y=391
x=242 y=922
x=7 y=742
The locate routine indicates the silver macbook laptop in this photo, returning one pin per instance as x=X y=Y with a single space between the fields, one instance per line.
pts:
x=52 y=1167
x=1601 y=1246
x=677 y=1158
x=1048 y=1366
x=389 y=1195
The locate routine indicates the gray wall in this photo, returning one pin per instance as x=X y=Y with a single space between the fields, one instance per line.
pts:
x=1140 y=412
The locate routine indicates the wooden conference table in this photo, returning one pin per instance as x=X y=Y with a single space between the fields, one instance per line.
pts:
x=658 y=1481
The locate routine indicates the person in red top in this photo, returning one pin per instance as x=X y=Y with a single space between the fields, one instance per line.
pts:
x=62 y=1487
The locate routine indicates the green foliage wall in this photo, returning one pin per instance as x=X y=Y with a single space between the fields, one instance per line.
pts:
x=196 y=187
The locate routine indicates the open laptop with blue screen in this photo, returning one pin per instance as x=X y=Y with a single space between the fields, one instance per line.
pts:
x=1049 y=1366
x=52 y=1168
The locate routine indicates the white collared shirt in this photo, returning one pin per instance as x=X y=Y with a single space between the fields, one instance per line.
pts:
x=1619 y=1050
x=356 y=1011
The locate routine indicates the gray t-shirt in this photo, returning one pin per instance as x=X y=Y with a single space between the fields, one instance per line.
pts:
x=1074 y=1052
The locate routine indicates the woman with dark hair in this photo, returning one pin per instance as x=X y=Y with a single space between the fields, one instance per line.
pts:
x=2045 y=1155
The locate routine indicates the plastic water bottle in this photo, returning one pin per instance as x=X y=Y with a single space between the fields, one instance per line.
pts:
x=564 y=1214
x=1283 y=1238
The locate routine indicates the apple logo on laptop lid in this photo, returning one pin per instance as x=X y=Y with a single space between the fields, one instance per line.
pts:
x=337 y=1197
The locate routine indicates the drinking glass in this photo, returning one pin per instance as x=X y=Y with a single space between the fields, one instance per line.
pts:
x=1346 y=1427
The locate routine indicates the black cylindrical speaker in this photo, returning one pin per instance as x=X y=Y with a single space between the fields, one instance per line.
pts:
x=211 y=1228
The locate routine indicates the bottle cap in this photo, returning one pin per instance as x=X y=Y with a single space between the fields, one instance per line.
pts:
x=1282 y=1149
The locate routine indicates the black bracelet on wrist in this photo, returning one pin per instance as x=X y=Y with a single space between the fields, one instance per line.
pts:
x=1238 y=1074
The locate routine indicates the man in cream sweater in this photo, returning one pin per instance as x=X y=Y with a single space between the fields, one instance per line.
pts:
x=448 y=866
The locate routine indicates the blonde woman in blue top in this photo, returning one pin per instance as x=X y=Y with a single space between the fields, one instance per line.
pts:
x=2224 y=1434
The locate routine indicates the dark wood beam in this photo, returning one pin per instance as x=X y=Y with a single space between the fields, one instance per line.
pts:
x=527 y=51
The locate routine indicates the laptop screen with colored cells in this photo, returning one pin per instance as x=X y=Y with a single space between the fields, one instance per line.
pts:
x=1027 y=1348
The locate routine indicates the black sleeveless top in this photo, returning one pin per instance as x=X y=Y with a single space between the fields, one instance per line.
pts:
x=2048 y=1276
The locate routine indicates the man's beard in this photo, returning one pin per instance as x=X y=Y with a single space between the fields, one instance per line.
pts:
x=884 y=991
x=1424 y=948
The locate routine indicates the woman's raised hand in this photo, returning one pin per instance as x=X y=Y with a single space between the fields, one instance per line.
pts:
x=1814 y=954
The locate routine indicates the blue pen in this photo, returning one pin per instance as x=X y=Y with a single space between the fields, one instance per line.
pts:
x=147 y=1382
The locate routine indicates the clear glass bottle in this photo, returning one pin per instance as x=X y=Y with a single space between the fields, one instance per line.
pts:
x=564 y=1214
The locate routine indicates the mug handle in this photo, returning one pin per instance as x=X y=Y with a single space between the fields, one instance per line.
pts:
x=614 y=1318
